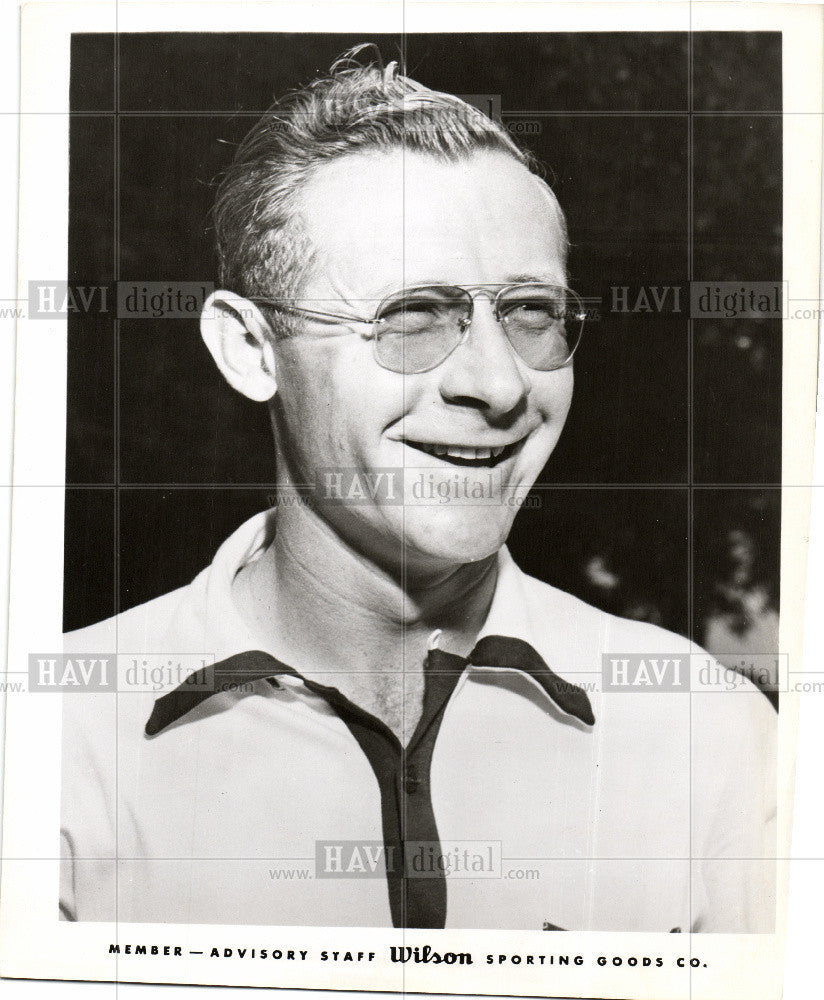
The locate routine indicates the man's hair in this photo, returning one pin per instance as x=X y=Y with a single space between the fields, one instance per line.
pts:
x=262 y=247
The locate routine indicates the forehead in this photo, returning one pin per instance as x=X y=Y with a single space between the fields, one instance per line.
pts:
x=395 y=217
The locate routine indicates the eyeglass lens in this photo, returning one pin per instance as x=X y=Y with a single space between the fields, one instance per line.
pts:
x=420 y=327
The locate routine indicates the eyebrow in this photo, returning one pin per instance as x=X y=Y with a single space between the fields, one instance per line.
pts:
x=526 y=278
x=512 y=279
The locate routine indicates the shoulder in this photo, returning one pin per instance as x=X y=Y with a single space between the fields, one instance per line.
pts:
x=621 y=656
x=183 y=619
x=145 y=624
x=554 y=613
x=131 y=642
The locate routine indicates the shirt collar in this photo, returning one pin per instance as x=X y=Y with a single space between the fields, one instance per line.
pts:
x=226 y=634
x=208 y=615
x=508 y=613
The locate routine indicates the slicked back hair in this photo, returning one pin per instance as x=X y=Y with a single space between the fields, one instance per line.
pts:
x=262 y=247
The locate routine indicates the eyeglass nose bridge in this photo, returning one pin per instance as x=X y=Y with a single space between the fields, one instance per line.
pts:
x=479 y=291
x=465 y=322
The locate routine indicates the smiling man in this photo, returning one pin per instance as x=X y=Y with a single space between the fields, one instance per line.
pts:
x=396 y=709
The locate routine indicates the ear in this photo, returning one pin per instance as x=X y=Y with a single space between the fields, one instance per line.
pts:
x=239 y=339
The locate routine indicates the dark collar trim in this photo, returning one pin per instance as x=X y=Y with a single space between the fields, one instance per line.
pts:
x=226 y=675
x=516 y=654
x=491 y=651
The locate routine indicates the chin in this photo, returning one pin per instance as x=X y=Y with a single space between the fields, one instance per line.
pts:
x=454 y=535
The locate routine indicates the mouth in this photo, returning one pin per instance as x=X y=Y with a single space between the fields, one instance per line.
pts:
x=466 y=456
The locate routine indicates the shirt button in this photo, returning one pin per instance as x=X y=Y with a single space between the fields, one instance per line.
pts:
x=411 y=781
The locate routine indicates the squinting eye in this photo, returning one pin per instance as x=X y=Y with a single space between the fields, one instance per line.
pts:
x=533 y=311
x=417 y=314
x=417 y=307
x=409 y=314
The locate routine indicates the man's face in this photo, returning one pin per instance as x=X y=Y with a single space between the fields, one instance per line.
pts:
x=380 y=222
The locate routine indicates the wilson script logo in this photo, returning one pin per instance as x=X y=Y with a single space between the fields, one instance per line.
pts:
x=425 y=955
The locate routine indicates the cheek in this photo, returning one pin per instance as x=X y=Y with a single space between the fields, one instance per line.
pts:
x=334 y=397
x=304 y=403
x=553 y=396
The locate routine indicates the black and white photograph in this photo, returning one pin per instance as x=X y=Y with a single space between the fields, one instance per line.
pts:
x=426 y=508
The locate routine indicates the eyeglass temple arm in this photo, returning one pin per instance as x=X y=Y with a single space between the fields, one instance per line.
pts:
x=318 y=314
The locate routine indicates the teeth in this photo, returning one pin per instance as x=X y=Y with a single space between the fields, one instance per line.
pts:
x=455 y=451
x=469 y=453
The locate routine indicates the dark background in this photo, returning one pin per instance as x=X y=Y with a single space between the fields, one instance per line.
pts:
x=665 y=152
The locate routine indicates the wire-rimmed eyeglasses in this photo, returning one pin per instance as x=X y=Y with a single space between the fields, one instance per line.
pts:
x=416 y=329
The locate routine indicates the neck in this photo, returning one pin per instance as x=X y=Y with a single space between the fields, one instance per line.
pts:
x=325 y=608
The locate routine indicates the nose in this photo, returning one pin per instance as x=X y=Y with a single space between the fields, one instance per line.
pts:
x=483 y=371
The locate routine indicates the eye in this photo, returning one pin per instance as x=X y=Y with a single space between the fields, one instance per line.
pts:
x=412 y=307
x=533 y=312
x=409 y=316
x=419 y=310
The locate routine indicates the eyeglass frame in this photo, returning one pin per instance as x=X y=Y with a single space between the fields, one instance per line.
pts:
x=579 y=315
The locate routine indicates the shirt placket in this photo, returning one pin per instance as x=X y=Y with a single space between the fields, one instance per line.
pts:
x=417 y=894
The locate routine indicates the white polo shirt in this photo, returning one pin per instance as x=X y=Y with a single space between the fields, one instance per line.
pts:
x=657 y=817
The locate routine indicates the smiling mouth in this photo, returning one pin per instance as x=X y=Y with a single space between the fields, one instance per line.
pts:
x=461 y=455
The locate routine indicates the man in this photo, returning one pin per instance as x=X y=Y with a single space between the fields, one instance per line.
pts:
x=391 y=694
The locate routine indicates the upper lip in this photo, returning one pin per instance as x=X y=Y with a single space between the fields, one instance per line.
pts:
x=462 y=444
x=483 y=451
x=414 y=439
